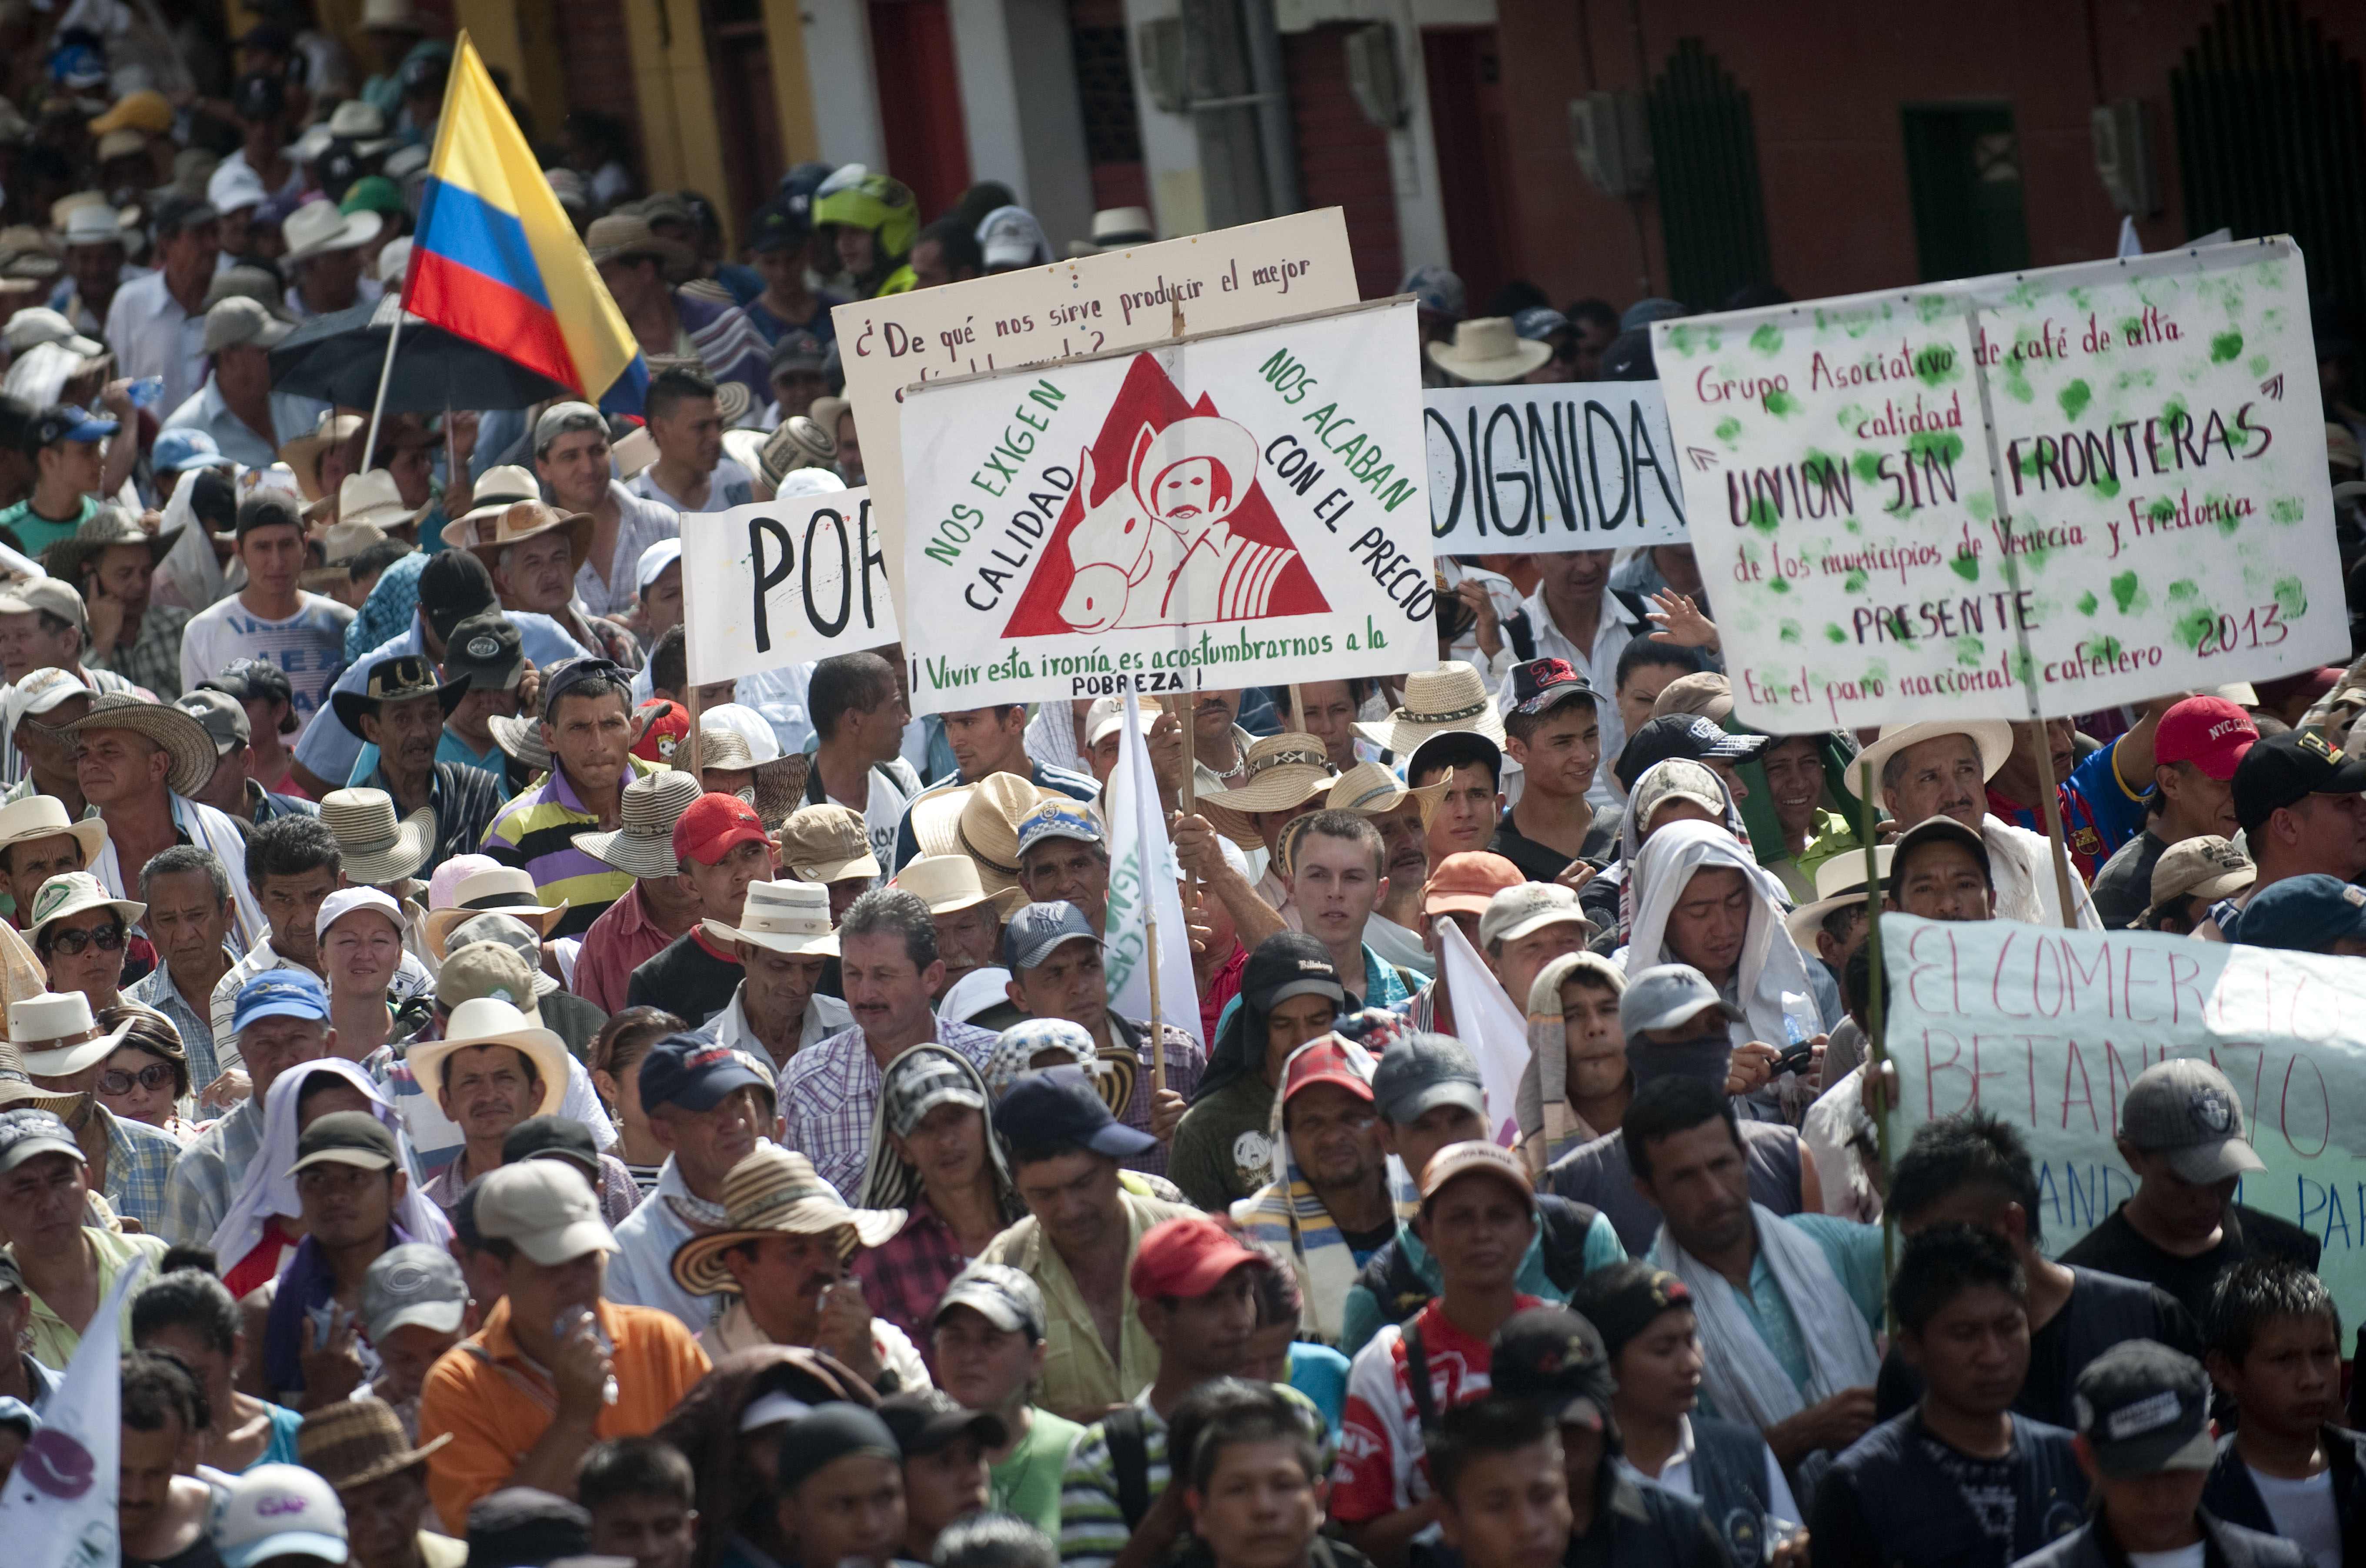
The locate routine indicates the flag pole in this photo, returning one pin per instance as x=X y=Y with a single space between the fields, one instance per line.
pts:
x=385 y=375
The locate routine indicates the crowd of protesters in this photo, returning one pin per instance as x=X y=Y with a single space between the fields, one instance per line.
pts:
x=562 y=1114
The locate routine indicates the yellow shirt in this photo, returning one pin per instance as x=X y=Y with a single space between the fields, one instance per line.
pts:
x=53 y=1340
x=1079 y=1382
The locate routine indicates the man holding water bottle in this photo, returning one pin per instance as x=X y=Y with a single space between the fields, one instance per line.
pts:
x=554 y=1369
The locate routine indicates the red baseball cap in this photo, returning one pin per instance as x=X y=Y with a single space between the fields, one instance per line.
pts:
x=1464 y=883
x=1186 y=1258
x=1325 y=1061
x=2208 y=731
x=668 y=726
x=716 y=824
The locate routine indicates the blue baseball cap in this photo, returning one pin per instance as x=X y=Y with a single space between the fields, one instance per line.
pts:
x=1538 y=322
x=66 y=422
x=1058 y=818
x=2303 y=915
x=694 y=1073
x=180 y=450
x=281 y=994
x=1035 y=930
x=1054 y=1105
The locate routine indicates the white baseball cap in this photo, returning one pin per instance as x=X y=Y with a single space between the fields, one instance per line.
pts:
x=278 y=1510
x=344 y=901
x=545 y=1206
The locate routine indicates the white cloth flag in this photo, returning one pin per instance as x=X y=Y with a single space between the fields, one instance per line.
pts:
x=1142 y=884
x=59 y=1509
x=1485 y=1020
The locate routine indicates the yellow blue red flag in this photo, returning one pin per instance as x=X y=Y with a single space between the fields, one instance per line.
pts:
x=495 y=260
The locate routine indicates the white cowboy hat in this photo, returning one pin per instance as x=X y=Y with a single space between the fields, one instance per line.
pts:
x=489 y=1021
x=946 y=883
x=1993 y=737
x=1488 y=349
x=504 y=890
x=372 y=498
x=317 y=228
x=1840 y=882
x=55 y=1036
x=71 y=893
x=44 y=816
x=787 y=917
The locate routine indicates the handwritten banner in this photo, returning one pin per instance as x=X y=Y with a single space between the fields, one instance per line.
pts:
x=2164 y=523
x=1577 y=466
x=785 y=582
x=1120 y=299
x=1237 y=510
x=2047 y=1029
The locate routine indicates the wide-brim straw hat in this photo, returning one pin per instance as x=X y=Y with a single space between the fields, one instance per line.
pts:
x=1993 y=737
x=489 y=1021
x=946 y=883
x=775 y=1192
x=980 y=821
x=108 y=527
x=643 y=846
x=1280 y=773
x=183 y=739
x=622 y=235
x=44 y=816
x=779 y=782
x=377 y=847
x=1451 y=696
x=519 y=737
x=504 y=890
x=1488 y=349
x=521 y=521
x=302 y=455
x=792 y=918
x=1840 y=882
x=355 y=1443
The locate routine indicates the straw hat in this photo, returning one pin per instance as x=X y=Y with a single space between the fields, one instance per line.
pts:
x=980 y=821
x=786 y=917
x=317 y=228
x=643 y=846
x=1451 y=696
x=775 y=1192
x=1280 y=773
x=828 y=843
x=183 y=739
x=519 y=737
x=1372 y=789
x=625 y=236
x=946 y=883
x=302 y=455
x=504 y=890
x=1488 y=349
x=496 y=491
x=344 y=540
x=489 y=1021
x=521 y=521
x=1840 y=882
x=351 y=1443
x=44 y=816
x=780 y=779
x=1993 y=737
x=371 y=499
x=377 y=849
x=54 y=1033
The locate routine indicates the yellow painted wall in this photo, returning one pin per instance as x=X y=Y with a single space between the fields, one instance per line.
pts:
x=784 y=40
x=520 y=38
x=680 y=137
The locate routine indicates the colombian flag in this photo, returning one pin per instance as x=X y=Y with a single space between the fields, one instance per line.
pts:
x=495 y=260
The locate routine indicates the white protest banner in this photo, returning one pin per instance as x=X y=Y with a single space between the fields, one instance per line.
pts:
x=1245 y=509
x=2164 y=523
x=777 y=583
x=1120 y=299
x=1587 y=466
x=1143 y=881
x=2047 y=1028
x=60 y=1504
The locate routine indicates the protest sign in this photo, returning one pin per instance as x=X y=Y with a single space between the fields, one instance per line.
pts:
x=777 y=583
x=59 y=1504
x=2164 y=523
x=2047 y=1028
x=1121 y=300
x=1566 y=467
x=1244 y=508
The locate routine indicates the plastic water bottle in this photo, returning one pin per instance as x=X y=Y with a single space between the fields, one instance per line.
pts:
x=144 y=392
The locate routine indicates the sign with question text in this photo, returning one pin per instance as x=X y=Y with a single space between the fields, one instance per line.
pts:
x=777 y=583
x=2164 y=523
x=2047 y=1028
x=1570 y=465
x=1089 y=305
x=1244 y=508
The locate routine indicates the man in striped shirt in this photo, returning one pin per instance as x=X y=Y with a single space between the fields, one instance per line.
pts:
x=588 y=730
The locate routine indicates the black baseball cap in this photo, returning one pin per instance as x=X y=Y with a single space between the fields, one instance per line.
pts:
x=1288 y=964
x=832 y=1431
x=1688 y=735
x=484 y=651
x=1056 y=1105
x=694 y=1073
x=269 y=509
x=259 y=95
x=2283 y=770
x=452 y=585
x=345 y=1138
x=1425 y=1069
x=257 y=680
x=928 y=1420
x=519 y=1526
x=776 y=227
x=1554 y=1356
x=552 y=1137
x=1541 y=685
x=2144 y=1408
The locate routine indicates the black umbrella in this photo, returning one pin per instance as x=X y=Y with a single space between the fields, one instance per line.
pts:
x=338 y=357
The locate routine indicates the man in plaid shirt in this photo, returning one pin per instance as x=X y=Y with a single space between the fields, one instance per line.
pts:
x=887 y=957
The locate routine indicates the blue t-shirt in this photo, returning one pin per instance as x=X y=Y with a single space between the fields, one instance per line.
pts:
x=281 y=1449
x=1320 y=1372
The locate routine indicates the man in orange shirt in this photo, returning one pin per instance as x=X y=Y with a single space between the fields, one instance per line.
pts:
x=554 y=1369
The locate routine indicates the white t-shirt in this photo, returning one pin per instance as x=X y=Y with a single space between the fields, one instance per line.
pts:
x=2304 y=1513
x=730 y=486
x=308 y=646
x=2184 y=1557
x=886 y=808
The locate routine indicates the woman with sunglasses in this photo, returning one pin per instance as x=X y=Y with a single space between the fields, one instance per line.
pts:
x=78 y=934
x=147 y=1079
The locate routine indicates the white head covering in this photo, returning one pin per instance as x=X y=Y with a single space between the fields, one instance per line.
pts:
x=1771 y=963
x=269 y=1190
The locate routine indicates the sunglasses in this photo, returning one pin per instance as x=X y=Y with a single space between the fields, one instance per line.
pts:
x=110 y=938
x=115 y=1080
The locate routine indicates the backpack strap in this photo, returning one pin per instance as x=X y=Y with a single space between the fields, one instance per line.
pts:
x=1398 y=1291
x=1424 y=1399
x=1129 y=1462
x=1522 y=634
x=1567 y=1225
x=1636 y=606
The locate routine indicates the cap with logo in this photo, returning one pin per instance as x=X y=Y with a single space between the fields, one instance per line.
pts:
x=223 y=716
x=695 y=1074
x=65 y=422
x=24 y=1134
x=2303 y=915
x=716 y=824
x=1541 y=685
x=1686 y=735
x=1058 y=818
x=1527 y=908
x=1038 y=929
x=2188 y=1111
x=1053 y=1105
x=2283 y=770
x=1424 y=1070
x=414 y=1283
x=280 y=993
x=483 y=655
x=2206 y=867
x=345 y=1138
x=1006 y=1297
x=277 y=1513
x=2144 y=1408
x=1457 y=1160
x=2210 y=732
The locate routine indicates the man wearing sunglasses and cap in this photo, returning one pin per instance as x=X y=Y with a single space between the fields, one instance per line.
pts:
x=589 y=729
